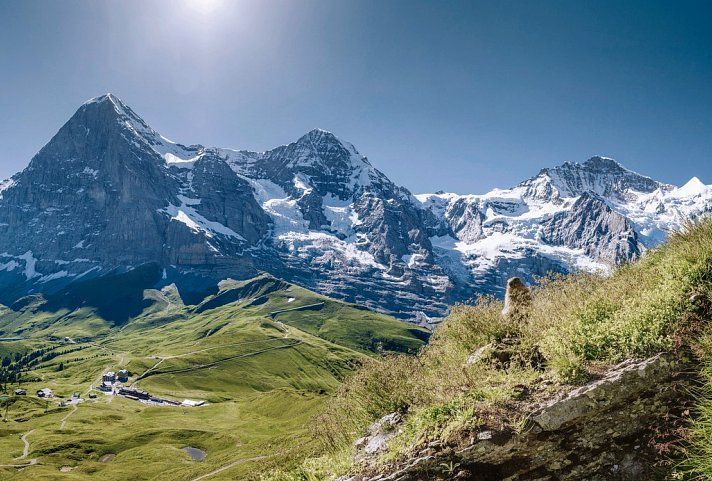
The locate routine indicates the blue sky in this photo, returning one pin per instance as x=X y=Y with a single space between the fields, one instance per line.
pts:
x=459 y=96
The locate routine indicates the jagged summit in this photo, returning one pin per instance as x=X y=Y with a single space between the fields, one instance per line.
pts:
x=109 y=192
x=328 y=147
x=318 y=132
x=601 y=175
x=107 y=97
x=600 y=162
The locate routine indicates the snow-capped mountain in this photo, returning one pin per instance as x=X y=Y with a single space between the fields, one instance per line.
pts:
x=588 y=216
x=109 y=193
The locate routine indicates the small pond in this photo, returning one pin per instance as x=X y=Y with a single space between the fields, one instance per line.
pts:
x=195 y=453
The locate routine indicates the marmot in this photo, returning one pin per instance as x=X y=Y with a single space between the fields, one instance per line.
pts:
x=517 y=300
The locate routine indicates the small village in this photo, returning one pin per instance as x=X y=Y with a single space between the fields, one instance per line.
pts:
x=113 y=384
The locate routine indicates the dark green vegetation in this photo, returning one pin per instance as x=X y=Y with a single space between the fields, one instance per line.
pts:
x=577 y=326
x=264 y=368
x=698 y=465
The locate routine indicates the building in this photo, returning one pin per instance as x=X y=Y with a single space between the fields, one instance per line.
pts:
x=109 y=377
x=106 y=386
x=45 y=392
x=191 y=403
x=20 y=392
x=123 y=375
x=134 y=393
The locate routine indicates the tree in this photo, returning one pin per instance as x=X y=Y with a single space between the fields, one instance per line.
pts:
x=6 y=361
x=60 y=367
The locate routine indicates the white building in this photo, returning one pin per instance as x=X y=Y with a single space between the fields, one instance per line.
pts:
x=45 y=392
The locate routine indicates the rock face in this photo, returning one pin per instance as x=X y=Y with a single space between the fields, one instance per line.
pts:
x=599 y=432
x=592 y=226
x=109 y=193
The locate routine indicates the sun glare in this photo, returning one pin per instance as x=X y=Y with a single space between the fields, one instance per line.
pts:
x=205 y=7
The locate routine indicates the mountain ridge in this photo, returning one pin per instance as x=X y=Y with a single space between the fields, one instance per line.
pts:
x=109 y=192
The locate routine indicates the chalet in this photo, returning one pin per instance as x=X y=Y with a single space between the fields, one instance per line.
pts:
x=92 y=395
x=20 y=392
x=45 y=392
x=123 y=375
x=109 y=377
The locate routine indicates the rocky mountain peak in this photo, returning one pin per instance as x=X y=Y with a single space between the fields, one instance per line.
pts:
x=603 y=164
x=601 y=175
x=109 y=192
x=326 y=149
x=320 y=161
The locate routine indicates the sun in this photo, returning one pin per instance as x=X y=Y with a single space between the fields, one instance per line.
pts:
x=205 y=7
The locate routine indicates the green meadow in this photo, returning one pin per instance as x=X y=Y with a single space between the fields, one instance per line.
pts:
x=263 y=354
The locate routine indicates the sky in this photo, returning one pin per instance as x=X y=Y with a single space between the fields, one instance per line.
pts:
x=440 y=95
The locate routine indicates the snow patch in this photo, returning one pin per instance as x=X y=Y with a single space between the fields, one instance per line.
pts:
x=92 y=172
x=30 y=263
x=54 y=276
x=188 y=216
x=5 y=184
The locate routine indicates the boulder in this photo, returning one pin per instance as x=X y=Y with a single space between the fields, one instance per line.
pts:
x=379 y=433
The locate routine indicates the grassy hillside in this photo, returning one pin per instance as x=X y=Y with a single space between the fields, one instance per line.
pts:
x=698 y=463
x=264 y=368
x=577 y=326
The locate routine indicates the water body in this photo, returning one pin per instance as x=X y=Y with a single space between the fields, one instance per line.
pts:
x=195 y=453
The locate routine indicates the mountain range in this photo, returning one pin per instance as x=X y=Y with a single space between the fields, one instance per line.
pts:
x=108 y=194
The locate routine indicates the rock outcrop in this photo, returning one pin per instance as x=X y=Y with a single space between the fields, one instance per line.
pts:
x=602 y=431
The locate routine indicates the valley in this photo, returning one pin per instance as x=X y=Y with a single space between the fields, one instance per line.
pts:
x=262 y=368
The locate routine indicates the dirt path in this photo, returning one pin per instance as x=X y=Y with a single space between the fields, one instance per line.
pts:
x=308 y=307
x=26 y=449
x=147 y=372
x=31 y=462
x=231 y=465
x=215 y=363
x=64 y=419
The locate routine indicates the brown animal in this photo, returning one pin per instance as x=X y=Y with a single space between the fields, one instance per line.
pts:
x=517 y=301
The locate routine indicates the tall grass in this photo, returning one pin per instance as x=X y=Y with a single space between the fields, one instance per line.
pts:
x=577 y=323
x=698 y=465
